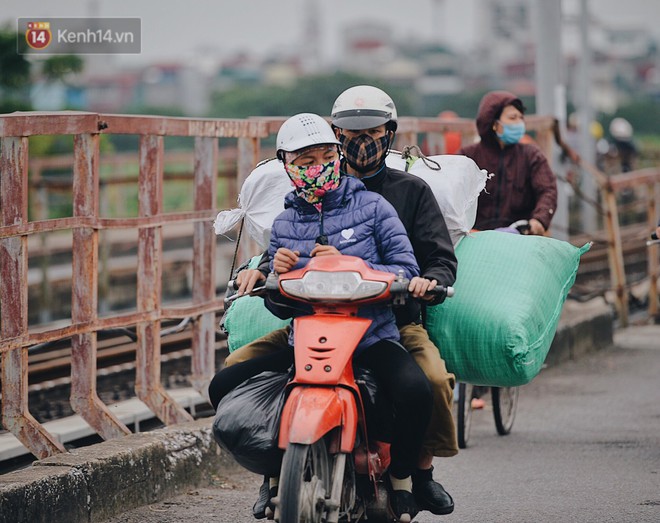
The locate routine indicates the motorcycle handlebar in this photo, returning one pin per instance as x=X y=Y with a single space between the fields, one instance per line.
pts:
x=233 y=287
x=522 y=226
x=654 y=239
x=438 y=290
x=398 y=287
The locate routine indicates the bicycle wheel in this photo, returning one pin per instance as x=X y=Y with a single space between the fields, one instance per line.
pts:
x=464 y=414
x=505 y=402
x=304 y=483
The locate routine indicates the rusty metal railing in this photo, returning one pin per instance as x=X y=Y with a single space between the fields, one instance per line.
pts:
x=86 y=222
x=648 y=180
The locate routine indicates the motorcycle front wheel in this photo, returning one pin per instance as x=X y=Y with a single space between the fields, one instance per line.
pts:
x=304 y=483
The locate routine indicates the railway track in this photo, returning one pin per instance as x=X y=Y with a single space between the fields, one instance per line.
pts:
x=52 y=364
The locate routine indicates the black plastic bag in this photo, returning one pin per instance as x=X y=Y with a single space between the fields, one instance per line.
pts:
x=247 y=422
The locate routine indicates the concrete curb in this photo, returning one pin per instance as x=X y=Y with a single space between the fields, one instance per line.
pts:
x=101 y=481
x=583 y=328
x=94 y=483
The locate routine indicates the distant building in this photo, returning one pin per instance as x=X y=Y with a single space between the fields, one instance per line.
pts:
x=110 y=93
x=622 y=65
x=240 y=69
x=367 y=48
x=175 y=85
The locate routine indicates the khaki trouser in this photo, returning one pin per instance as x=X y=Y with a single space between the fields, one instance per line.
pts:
x=440 y=437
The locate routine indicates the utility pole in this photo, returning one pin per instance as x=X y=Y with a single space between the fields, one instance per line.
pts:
x=551 y=93
x=585 y=118
x=438 y=22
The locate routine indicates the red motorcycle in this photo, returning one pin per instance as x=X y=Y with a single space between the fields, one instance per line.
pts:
x=331 y=470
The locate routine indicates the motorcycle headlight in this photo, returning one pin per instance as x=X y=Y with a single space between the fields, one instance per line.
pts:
x=333 y=286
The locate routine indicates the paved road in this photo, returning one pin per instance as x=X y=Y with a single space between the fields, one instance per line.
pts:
x=585 y=447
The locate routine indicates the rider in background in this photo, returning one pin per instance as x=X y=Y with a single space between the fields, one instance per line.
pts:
x=524 y=186
x=623 y=147
x=365 y=121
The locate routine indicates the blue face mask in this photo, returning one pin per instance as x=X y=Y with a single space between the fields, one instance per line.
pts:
x=512 y=133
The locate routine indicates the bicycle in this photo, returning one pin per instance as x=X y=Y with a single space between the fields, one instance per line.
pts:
x=504 y=400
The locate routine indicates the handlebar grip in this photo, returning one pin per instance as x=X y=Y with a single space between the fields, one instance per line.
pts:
x=440 y=290
x=653 y=241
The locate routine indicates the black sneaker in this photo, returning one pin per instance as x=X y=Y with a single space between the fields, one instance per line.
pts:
x=430 y=495
x=259 y=508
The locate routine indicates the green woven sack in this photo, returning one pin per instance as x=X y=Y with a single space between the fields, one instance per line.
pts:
x=248 y=319
x=510 y=289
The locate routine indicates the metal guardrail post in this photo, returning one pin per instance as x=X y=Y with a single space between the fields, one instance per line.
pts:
x=149 y=282
x=84 y=295
x=204 y=248
x=248 y=157
x=16 y=416
x=615 y=254
x=652 y=259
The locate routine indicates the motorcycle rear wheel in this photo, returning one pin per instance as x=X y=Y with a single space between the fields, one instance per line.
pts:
x=304 y=483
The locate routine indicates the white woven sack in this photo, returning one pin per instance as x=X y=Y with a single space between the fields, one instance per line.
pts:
x=456 y=187
x=260 y=200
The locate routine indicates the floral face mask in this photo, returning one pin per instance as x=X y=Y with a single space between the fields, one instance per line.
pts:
x=312 y=182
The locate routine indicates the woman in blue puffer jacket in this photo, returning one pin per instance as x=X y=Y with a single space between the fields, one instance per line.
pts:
x=331 y=214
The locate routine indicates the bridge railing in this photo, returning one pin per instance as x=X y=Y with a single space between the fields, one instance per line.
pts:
x=88 y=219
x=644 y=186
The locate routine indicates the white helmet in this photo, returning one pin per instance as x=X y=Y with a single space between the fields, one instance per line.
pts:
x=304 y=130
x=363 y=107
x=621 y=129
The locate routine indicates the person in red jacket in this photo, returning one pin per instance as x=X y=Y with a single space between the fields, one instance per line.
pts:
x=524 y=187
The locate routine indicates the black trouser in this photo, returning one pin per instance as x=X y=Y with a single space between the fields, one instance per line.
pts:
x=397 y=374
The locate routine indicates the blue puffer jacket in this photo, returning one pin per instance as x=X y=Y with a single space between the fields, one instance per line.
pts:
x=358 y=223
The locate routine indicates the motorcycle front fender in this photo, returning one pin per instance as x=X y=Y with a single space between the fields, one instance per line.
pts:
x=311 y=412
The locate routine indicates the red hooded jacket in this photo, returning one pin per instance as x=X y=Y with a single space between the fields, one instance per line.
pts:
x=524 y=186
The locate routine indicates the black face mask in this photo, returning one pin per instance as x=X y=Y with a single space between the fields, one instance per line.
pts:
x=363 y=153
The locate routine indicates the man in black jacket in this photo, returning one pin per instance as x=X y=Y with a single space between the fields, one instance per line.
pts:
x=365 y=122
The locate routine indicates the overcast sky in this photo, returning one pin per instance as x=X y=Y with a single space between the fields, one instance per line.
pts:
x=181 y=29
